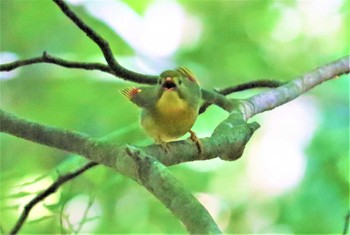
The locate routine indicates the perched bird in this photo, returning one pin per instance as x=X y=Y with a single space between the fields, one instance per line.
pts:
x=170 y=108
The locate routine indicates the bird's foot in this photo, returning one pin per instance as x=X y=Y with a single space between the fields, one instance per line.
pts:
x=195 y=139
x=164 y=145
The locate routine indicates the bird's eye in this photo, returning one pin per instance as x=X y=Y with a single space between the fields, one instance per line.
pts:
x=180 y=81
x=160 y=81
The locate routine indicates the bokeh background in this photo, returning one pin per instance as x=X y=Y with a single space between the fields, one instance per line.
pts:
x=294 y=175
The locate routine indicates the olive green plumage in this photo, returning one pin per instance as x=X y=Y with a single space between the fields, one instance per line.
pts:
x=170 y=108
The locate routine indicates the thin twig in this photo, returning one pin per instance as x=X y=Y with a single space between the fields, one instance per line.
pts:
x=219 y=94
x=46 y=58
x=117 y=69
x=50 y=190
x=85 y=215
x=251 y=85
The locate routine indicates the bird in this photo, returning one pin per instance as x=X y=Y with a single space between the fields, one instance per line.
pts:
x=170 y=108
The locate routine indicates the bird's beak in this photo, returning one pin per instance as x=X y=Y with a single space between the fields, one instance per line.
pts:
x=169 y=84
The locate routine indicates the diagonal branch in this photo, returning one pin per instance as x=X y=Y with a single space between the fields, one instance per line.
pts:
x=160 y=182
x=50 y=190
x=291 y=90
x=117 y=69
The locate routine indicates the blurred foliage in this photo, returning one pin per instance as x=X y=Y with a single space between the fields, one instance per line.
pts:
x=237 y=43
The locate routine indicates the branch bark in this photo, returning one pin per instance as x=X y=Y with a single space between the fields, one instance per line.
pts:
x=154 y=176
x=283 y=94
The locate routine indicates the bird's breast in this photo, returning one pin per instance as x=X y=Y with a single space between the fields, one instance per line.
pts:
x=172 y=118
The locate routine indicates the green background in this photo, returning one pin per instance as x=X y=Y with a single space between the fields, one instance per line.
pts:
x=237 y=43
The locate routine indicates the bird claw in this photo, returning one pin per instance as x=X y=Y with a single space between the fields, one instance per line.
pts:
x=164 y=145
x=195 y=139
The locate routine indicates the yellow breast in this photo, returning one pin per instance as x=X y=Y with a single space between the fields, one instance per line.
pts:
x=173 y=117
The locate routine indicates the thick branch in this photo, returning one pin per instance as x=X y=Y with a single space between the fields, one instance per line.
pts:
x=291 y=90
x=50 y=190
x=160 y=182
x=118 y=158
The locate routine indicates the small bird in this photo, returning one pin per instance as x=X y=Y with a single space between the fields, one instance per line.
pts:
x=170 y=108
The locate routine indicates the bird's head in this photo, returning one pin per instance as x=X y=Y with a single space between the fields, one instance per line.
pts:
x=180 y=80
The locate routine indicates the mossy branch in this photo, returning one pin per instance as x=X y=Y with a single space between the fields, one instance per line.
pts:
x=157 y=179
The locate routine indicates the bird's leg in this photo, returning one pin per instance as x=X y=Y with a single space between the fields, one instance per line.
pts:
x=195 y=139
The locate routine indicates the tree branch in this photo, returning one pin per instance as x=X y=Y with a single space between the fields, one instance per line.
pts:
x=217 y=97
x=251 y=85
x=227 y=141
x=46 y=58
x=118 y=158
x=160 y=182
x=211 y=97
x=291 y=90
x=50 y=190
x=84 y=145
x=114 y=66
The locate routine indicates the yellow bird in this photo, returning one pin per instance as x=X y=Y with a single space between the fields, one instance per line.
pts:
x=170 y=108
